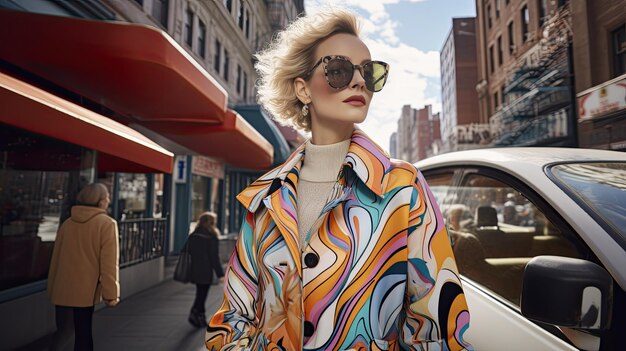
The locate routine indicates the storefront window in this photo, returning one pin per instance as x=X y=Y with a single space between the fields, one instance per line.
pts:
x=132 y=195
x=39 y=180
x=199 y=196
x=159 y=181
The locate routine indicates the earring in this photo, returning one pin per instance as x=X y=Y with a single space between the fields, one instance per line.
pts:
x=305 y=110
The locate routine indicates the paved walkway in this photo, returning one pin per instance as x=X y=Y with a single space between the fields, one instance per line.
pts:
x=155 y=319
x=152 y=320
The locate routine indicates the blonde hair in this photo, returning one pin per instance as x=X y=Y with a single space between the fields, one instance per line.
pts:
x=91 y=194
x=208 y=220
x=291 y=55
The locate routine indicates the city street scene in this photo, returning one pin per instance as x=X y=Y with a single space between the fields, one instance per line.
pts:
x=232 y=175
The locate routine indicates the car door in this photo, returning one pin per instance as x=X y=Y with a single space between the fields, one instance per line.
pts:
x=503 y=224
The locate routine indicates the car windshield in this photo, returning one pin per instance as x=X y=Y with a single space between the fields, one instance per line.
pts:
x=601 y=188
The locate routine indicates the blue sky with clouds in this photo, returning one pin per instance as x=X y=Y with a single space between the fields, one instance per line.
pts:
x=407 y=34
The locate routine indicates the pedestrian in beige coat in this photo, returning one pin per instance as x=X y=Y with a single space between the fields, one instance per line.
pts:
x=84 y=269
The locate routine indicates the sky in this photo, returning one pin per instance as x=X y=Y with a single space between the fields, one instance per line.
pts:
x=408 y=35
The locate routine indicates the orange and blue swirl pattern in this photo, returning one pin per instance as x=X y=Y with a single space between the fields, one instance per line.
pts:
x=376 y=273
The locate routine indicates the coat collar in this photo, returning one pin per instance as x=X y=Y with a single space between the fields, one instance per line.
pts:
x=368 y=161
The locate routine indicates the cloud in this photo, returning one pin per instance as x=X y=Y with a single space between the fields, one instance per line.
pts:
x=412 y=71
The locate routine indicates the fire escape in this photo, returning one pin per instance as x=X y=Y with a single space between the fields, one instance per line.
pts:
x=539 y=91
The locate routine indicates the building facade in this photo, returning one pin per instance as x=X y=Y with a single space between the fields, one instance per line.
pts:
x=524 y=85
x=458 y=85
x=222 y=37
x=599 y=50
x=161 y=100
x=418 y=135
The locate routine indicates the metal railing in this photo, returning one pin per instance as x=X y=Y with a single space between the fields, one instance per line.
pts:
x=141 y=240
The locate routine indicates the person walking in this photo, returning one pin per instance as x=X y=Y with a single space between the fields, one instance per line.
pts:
x=203 y=247
x=84 y=269
x=341 y=247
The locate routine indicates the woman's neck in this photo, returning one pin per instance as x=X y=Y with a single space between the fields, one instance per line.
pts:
x=330 y=132
x=322 y=162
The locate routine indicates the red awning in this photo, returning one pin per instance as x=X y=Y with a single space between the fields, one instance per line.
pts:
x=237 y=142
x=120 y=148
x=137 y=71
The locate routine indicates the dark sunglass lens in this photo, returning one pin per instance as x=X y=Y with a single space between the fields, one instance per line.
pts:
x=375 y=76
x=339 y=73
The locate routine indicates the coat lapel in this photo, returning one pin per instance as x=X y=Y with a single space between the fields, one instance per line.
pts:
x=277 y=189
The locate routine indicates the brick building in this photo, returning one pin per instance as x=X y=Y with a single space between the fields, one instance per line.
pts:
x=524 y=70
x=599 y=48
x=458 y=83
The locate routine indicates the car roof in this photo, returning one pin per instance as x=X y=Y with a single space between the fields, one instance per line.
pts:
x=520 y=157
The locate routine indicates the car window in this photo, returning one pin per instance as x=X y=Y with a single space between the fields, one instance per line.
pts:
x=496 y=230
x=600 y=188
x=439 y=184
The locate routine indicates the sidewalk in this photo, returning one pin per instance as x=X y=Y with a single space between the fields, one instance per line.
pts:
x=155 y=319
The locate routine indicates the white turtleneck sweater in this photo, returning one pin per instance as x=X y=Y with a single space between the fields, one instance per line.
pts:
x=317 y=176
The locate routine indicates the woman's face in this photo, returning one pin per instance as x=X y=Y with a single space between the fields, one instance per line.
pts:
x=334 y=105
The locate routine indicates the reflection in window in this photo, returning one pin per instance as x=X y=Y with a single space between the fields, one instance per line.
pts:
x=132 y=195
x=199 y=196
x=495 y=230
x=39 y=180
x=601 y=187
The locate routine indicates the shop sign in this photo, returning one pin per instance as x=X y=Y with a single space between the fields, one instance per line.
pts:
x=180 y=169
x=602 y=100
x=207 y=167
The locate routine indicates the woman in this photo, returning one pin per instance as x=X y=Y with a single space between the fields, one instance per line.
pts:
x=84 y=269
x=203 y=246
x=341 y=248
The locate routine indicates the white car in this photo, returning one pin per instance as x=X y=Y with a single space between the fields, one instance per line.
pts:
x=541 y=244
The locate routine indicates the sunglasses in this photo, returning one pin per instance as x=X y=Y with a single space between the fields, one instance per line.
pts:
x=339 y=72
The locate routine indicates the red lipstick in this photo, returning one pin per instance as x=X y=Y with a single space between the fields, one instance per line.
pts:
x=355 y=100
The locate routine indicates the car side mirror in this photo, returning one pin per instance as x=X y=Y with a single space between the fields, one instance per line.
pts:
x=567 y=292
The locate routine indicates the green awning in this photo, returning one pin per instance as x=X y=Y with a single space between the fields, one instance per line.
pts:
x=259 y=119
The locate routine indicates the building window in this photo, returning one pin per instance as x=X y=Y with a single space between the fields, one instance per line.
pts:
x=241 y=15
x=511 y=38
x=189 y=27
x=500 y=53
x=543 y=11
x=525 y=22
x=229 y=5
x=160 y=10
x=132 y=196
x=497 y=9
x=202 y=39
x=491 y=62
x=226 y=63
x=619 y=50
x=502 y=96
x=217 y=60
x=488 y=10
x=238 y=79
x=496 y=101
x=140 y=2
x=245 y=86
x=247 y=24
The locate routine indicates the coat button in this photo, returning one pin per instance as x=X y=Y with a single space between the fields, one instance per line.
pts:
x=311 y=259
x=308 y=329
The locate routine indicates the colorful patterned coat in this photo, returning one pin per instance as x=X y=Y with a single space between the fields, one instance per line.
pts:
x=377 y=271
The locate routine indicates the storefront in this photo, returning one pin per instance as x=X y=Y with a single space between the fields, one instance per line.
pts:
x=50 y=148
x=76 y=67
x=602 y=116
